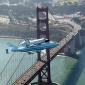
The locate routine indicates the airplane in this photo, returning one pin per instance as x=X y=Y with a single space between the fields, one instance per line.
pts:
x=31 y=46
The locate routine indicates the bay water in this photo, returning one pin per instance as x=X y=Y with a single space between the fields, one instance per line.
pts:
x=61 y=67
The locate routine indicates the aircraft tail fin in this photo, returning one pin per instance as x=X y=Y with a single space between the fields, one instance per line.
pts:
x=10 y=47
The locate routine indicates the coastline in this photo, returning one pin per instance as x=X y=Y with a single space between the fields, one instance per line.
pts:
x=11 y=37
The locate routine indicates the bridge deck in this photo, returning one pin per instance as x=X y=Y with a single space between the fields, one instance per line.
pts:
x=28 y=76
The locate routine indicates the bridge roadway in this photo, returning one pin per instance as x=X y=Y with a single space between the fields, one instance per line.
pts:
x=31 y=73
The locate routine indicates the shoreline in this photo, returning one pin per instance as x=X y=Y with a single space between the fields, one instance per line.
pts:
x=12 y=37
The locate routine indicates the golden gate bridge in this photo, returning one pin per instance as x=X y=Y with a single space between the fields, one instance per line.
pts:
x=41 y=67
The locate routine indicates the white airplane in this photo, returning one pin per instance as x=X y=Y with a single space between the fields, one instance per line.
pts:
x=31 y=46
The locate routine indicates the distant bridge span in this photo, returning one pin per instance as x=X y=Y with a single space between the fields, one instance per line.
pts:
x=31 y=73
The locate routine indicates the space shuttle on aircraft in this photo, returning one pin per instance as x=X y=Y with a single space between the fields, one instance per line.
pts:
x=33 y=42
x=36 y=45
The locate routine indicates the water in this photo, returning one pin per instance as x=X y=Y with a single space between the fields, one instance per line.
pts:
x=18 y=64
x=3 y=56
x=61 y=67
